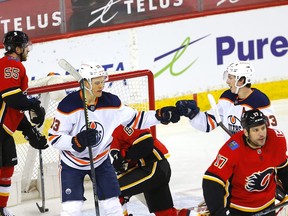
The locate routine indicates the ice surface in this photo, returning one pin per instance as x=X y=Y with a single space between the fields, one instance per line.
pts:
x=191 y=152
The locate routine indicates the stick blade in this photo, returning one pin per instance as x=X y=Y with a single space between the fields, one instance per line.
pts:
x=211 y=100
x=42 y=209
x=69 y=68
x=214 y=107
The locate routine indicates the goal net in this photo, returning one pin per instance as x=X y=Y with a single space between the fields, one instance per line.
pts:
x=135 y=89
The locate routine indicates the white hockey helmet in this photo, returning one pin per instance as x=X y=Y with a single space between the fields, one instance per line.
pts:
x=240 y=69
x=92 y=70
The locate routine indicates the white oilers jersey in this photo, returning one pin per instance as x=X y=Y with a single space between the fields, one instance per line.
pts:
x=107 y=113
x=230 y=110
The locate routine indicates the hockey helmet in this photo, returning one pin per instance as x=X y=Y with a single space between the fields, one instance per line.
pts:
x=240 y=69
x=92 y=70
x=253 y=118
x=13 y=39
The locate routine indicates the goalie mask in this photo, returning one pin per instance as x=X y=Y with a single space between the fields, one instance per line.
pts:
x=239 y=70
x=253 y=118
x=14 y=39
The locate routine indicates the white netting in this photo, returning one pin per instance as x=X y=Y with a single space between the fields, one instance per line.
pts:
x=134 y=88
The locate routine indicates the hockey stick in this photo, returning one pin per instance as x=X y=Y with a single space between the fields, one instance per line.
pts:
x=281 y=204
x=42 y=208
x=69 y=68
x=217 y=115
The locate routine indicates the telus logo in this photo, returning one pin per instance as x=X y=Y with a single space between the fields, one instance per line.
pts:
x=251 y=49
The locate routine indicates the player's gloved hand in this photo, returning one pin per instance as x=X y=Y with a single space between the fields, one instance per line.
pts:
x=37 y=112
x=167 y=114
x=280 y=191
x=119 y=162
x=83 y=139
x=36 y=140
x=187 y=108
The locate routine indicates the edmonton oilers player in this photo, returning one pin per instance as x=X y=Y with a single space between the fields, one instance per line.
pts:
x=68 y=134
x=232 y=103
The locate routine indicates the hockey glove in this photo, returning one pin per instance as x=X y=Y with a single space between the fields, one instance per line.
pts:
x=119 y=162
x=36 y=140
x=37 y=112
x=187 y=108
x=280 y=191
x=167 y=114
x=83 y=139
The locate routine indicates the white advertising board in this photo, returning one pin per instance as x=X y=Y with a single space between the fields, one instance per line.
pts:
x=185 y=56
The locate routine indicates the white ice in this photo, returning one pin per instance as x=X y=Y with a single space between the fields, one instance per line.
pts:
x=191 y=152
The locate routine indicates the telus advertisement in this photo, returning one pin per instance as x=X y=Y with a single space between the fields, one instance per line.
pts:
x=186 y=56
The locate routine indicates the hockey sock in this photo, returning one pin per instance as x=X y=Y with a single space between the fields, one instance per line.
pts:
x=5 y=184
x=111 y=206
x=184 y=212
x=123 y=202
x=170 y=212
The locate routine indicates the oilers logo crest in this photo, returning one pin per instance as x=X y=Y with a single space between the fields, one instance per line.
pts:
x=99 y=131
x=234 y=124
x=258 y=181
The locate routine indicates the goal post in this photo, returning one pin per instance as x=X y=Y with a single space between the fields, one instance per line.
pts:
x=135 y=88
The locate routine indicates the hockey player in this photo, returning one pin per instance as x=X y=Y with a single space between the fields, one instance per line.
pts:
x=142 y=167
x=13 y=102
x=238 y=98
x=68 y=134
x=241 y=180
x=232 y=103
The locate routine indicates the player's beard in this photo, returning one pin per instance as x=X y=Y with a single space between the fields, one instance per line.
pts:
x=256 y=143
x=23 y=56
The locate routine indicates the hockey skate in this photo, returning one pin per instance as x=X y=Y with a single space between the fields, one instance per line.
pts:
x=4 y=212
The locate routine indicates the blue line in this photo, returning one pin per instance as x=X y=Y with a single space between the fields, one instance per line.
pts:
x=172 y=51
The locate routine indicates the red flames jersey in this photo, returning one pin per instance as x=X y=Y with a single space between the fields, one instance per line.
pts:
x=13 y=79
x=247 y=174
x=125 y=138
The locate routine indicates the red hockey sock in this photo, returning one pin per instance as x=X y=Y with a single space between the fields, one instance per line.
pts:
x=5 y=184
x=184 y=212
x=170 y=212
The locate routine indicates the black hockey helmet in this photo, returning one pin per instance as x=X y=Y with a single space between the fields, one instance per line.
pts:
x=252 y=118
x=13 y=39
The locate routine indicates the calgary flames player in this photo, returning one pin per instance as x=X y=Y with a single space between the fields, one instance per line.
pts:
x=241 y=180
x=14 y=102
x=142 y=167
